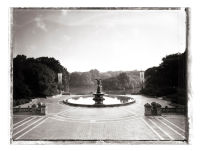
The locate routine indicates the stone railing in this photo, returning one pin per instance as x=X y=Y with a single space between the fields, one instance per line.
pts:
x=155 y=109
x=180 y=110
x=35 y=109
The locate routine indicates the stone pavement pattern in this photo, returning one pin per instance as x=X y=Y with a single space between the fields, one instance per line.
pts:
x=65 y=122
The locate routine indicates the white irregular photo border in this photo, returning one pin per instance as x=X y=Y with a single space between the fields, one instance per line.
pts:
x=194 y=96
x=188 y=122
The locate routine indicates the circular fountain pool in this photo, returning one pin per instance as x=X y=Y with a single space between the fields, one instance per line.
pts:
x=109 y=101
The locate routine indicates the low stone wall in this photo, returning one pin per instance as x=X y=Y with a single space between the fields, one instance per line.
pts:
x=180 y=110
x=155 y=109
x=35 y=109
x=19 y=109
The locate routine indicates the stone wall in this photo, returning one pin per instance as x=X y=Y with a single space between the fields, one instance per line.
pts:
x=155 y=109
x=35 y=109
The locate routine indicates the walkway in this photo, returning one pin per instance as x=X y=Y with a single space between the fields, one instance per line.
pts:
x=123 y=123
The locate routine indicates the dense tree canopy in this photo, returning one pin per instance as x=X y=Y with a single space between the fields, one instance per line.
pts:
x=37 y=77
x=168 y=79
x=55 y=65
x=122 y=81
x=82 y=79
x=110 y=80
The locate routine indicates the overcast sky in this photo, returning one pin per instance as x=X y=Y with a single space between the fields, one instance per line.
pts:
x=99 y=39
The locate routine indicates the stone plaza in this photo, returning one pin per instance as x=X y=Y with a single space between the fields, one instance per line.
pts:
x=110 y=124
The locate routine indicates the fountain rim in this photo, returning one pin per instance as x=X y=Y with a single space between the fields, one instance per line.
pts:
x=97 y=105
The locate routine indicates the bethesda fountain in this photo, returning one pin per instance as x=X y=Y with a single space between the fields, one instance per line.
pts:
x=99 y=99
x=98 y=96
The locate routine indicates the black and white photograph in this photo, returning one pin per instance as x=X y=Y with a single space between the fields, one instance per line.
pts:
x=109 y=75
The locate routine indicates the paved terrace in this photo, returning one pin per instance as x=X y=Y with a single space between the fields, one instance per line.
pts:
x=124 y=123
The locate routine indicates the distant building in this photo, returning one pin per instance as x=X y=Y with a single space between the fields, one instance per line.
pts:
x=142 y=78
x=59 y=78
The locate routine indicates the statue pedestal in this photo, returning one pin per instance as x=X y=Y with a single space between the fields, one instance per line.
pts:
x=98 y=98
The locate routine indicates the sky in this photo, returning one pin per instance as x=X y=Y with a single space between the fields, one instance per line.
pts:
x=107 y=40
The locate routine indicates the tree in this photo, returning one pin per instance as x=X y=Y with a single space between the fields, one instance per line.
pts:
x=55 y=65
x=75 y=79
x=37 y=77
x=20 y=88
x=168 y=79
x=110 y=84
x=119 y=82
x=124 y=81
x=86 y=79
x=41 y=79
x=95 y=74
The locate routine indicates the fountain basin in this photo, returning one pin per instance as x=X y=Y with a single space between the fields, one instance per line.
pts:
x=109 y=101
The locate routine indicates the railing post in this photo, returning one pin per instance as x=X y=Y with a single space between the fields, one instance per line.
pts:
x=43 y=109
x=147 y=107
x=159 y=110
x=34 y=108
